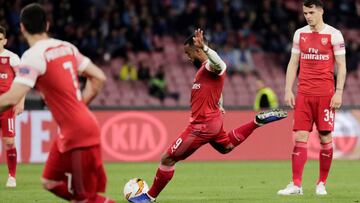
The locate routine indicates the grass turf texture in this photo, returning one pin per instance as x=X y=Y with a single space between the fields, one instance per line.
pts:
x=210 y=182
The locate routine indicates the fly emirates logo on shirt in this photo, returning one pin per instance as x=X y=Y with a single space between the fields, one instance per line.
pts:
x=314 y=55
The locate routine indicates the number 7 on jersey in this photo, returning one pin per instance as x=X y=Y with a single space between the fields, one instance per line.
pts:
x=69 y=66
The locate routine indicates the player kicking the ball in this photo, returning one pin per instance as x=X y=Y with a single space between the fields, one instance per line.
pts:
x=74 y=169
x=206 y=122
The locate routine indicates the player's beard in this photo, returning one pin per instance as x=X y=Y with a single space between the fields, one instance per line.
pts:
x=197 y=63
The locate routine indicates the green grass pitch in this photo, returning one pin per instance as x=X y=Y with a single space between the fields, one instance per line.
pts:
x=210 y=182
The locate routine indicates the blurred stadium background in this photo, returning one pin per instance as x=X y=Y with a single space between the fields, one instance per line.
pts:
x=151 y=33
x=139 y=45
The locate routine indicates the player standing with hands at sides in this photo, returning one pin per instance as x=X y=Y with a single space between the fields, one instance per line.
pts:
x=8 y=61
x=206 y=121
x=317 y=47
x=74 y=169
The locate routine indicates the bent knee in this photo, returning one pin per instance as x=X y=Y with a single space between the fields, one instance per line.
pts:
x=325 y=133
x=325 y=136
x=49 y=184
x=9 y=142
x=301 y=136
x=167 y=160
x=226 y=150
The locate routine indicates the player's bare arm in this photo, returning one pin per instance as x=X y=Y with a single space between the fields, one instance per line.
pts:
x=290 y=79
x=336 y=100
x=216 y=64
x=13 y=96
x=19 y=108
x=94 y=83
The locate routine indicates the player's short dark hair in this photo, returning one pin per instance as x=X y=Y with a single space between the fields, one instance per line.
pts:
x=190 y=41
x=316 y=3
x=3 y=31
x=33 y=17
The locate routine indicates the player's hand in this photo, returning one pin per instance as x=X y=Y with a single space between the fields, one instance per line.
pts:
x=199 y=38
x=336 y=100
x=19 y=108
x=222 y=110
x=290 y=99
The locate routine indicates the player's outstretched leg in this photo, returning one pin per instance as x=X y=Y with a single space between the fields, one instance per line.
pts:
x=240 y=134
x=269 y=116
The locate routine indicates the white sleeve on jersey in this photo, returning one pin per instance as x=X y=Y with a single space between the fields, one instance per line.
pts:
x=337 y=40
x=81 y=60
x=31 y=66
x=296 y=43
x=14 y=60
x=214 y=61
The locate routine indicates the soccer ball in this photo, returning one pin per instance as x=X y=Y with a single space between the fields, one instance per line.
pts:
x=135 y=187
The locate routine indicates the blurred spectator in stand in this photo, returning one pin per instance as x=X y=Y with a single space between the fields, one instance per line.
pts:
x=231 y=58
x=92 y=45
x=239 y=19
x=158 y=87
x=186 y=17
x=219 y=35
x=265 y=97
x=246 y=62
x=128 y=71
x=143 y=72
x=146 y=39
x=116 y=42
x=352 y=56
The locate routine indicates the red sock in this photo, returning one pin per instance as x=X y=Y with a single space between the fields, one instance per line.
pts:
x=299 y=158
x=239 y=135
x=325 y=158
x=62 y=191
x=11 y=156
x=101 y=199
x=163 y=176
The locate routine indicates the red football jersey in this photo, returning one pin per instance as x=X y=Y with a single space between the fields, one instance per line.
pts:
x=52 y=66
x=8 y=60
x=317 y=59
x=205 y=94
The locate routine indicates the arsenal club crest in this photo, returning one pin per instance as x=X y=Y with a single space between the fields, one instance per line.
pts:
x=4 y=60
x=324 y=41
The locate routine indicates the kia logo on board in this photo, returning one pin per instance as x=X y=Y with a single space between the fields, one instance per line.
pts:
x=133 y=136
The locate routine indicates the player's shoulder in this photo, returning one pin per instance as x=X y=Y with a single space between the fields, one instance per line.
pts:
x=305 y=29
x=38 y=49
x=35 y=57
x=9 y=53
x=331 y=30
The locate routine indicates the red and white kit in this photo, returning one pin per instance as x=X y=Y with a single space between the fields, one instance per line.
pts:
x=8 y=61
x=206 y=122
x=52 y=67
x=316 y=78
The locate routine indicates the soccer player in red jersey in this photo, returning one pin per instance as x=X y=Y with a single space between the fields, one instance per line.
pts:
x=318 y=47
x=74 y=169
x=8 y=61
x=206 y=122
